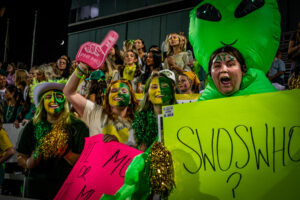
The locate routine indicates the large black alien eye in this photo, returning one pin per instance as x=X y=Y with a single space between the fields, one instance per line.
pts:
x=248 y=6
x=208 y=12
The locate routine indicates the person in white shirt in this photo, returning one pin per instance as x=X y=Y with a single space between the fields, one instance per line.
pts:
x=114 y=117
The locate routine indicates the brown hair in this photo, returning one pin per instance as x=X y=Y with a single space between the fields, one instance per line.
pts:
x=21 y=75
x=131 y=108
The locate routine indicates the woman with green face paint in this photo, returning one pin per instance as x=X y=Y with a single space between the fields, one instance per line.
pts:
x=159 y=92
x=114 y=117
x=51 y=143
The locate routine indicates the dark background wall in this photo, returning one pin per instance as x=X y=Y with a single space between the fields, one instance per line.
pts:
x=51 y=29
x=152 y=30
x=59 y=20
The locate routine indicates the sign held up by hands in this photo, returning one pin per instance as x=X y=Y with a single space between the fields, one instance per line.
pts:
x=94 y=54
x=245 y=147
x=99 y=170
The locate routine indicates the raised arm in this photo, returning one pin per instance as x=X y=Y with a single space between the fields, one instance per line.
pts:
x=70 y=90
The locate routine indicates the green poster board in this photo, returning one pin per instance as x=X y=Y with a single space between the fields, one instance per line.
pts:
x=245 y=147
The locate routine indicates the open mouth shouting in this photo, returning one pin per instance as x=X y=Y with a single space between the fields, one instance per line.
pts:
x=225 y=80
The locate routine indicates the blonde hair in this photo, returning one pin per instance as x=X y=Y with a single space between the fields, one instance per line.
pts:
x=170 y=48
x=40 y=112
x=128 y=45
x=47 y=70
x=183 y=42
x=21 y=75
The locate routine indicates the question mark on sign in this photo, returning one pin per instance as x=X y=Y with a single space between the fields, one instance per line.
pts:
x=238 y=183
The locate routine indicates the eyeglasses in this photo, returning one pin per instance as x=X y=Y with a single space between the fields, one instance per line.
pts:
x=59 y=96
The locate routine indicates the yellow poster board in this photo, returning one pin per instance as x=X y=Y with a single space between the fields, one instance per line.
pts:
x=245 y=147
x=182 y=98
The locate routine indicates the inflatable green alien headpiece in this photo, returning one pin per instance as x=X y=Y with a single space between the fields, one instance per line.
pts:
x=251 y=26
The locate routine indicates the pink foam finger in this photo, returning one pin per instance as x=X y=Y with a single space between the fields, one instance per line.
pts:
x=94 y=54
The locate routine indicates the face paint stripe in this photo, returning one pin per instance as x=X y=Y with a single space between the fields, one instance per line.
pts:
x=125 y=97
x=48 y=103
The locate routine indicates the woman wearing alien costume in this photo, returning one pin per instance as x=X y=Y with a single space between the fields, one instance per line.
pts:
x=48 y=165
x=114 y=117
x=227 y=68
x=251 y=28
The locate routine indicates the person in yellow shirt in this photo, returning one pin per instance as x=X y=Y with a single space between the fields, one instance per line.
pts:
x=131 y=71
x=6 y=148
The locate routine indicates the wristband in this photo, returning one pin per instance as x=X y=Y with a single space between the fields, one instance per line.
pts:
x=78 y=76
x=81 y=70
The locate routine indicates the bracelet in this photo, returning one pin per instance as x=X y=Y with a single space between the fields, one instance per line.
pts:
x=81 y=70
x=78 y=76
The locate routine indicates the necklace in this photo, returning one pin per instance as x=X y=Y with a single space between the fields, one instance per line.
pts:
x=9 y=112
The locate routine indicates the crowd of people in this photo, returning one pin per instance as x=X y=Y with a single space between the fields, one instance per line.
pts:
x=64 y=101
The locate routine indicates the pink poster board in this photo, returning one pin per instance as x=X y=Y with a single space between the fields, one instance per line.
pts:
x=94 y=54
x=100 y=169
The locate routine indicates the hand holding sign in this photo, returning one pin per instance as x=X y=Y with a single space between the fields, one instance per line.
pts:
x=99 y=170
x=94 y=54
x=253 y=154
